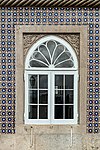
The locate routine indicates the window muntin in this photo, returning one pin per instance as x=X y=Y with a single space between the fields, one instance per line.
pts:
x=55 y=100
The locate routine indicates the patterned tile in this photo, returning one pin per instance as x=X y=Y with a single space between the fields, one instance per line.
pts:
x=9 y=17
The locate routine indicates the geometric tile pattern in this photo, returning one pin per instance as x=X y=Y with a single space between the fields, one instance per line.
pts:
x=11 y=16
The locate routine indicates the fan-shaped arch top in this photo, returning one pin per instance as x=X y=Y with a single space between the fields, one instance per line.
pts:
x=51 y=52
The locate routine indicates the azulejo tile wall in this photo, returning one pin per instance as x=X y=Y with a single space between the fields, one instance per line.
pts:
x=9 y=17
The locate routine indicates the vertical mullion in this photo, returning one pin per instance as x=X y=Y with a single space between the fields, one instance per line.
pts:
x=52 y=94
x=50 y=90
x=64 y=97
x=75 y=86
x=38 y=98
x=49 y=96
x=27 y=97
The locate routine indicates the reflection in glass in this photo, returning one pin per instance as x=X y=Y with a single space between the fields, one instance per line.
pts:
x=44 y=51
x=33 y=96
x=64 y=56
x=43 y=81
x=32 y=81
x=43 y=112
x=43 y=97
x=58 y=97
x=69 y=81
x=58 y=81
x=59 y=112
x=69 y=97
x=58 y=51
x=36 y=63
x=68 y=112
x=51 y=46
x=32 y=112
x=39 y=56
x=65 y=64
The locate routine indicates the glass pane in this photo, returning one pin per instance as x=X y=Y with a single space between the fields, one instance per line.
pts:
x=33 y=96
x=51 y=46
x=43 y=97
x=58 y=97
x=68 y=112
x=58 y=51
x=43 y=112
x=59 y=112
x=44 y=51
x=58 y=81
x=33 y=81
x=36 y=63
x=63 y=57
x=32 y=112
x=38 y=56
x=69 y=97
x=66 y=64
x=43 y=81
x=69 y=80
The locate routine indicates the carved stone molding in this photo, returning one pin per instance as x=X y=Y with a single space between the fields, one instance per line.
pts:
x=30 y=39
x=73 y=40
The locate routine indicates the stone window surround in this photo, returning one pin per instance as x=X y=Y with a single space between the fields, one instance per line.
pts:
x=82 y=96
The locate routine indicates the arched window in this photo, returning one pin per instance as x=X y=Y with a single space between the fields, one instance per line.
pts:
x=51 y=82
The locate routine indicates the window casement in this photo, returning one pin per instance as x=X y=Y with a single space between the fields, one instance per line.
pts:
x=51 y=82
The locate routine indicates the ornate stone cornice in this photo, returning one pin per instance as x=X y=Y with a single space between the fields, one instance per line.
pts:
x=49 y=3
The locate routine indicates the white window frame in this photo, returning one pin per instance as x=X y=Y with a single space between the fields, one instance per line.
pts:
x=51 y=81
x=75 y=97
x=36 y=121
x=51 y=72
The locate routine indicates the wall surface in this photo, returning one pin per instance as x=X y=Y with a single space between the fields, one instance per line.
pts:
x=48 y=137
x=43 y=141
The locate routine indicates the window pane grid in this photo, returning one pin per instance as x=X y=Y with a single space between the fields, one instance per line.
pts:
x=38 y=96
x=64 y=92
x=63 y=105
x=64 y=111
